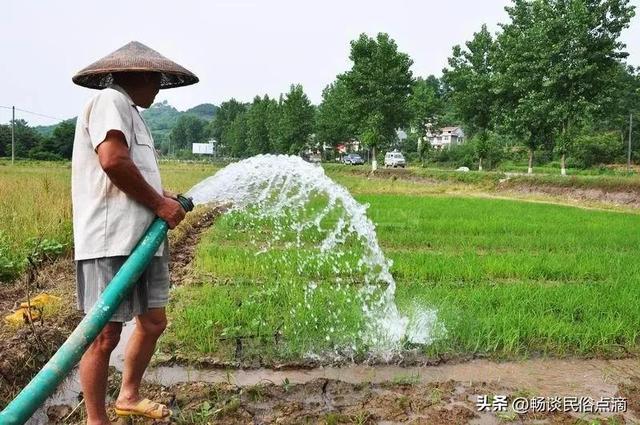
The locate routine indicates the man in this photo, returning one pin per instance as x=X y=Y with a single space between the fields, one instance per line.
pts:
x=116 y=193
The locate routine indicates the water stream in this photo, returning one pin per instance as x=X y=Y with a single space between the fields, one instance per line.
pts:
x=311 y=214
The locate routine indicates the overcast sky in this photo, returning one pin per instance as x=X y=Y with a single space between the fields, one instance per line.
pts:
x=238 y=48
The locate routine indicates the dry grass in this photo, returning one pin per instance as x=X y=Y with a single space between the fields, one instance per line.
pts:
x=35 y=206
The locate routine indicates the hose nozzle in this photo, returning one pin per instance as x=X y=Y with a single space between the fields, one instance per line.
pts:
x=186 y=203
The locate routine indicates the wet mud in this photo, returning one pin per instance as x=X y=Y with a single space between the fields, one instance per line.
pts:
x=442 y=394
x=24 y=350
x=377 y=395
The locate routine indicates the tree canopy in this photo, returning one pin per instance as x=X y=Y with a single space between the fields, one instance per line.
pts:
x=379 y=85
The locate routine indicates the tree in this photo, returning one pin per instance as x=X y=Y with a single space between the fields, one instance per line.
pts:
x=584 y=57
x=471 y=79
x=296 y=121
x=58 y=146
x=426 y=106
x=523 y=105
x=62 y=139
x=236 y=136
x=334 y=117
x=379 y=84
x=218 y=128
x=258 y=121
x=189 y=129
x=555 y=61
x=614 y=109
x=26 y=138
x=5 y=140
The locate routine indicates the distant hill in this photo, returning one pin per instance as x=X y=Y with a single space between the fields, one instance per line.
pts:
x=161 y=117
x=205 y=111
x=47 y=130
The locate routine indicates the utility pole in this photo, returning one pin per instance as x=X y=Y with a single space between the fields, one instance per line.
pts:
x=629 y=148
x=13 y=137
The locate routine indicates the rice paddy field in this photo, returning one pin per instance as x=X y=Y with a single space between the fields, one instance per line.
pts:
x=508 y=278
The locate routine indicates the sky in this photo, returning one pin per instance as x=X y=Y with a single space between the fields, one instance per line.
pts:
x=238 y=48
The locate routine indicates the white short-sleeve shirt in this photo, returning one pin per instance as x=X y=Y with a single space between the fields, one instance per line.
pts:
x=107 y=222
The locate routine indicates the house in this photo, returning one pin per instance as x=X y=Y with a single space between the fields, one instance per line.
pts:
x=446 y=137
x=351 y=145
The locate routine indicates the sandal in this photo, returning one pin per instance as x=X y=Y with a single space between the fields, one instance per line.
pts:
x=147 y=408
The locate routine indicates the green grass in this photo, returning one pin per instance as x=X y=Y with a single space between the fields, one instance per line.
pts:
x=260 y=299
x=508 y=279
x=513 y=278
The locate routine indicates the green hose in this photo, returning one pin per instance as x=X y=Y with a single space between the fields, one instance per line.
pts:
x=47 y=380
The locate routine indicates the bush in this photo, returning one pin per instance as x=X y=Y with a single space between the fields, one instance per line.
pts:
x=456 y=156
x=596 y=149
x=40 y=155
x=466 y=154
x=13 y=262
x=44 y=249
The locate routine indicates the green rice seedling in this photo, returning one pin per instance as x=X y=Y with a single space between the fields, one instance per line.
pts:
x=507 y=278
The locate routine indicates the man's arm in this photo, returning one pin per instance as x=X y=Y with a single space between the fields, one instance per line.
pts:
x=116 y=162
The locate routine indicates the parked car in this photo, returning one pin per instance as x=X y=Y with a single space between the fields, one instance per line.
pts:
x=394 y=159
x=353 y=159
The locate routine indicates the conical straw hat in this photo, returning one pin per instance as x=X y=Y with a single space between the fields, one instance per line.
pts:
x=134 y=57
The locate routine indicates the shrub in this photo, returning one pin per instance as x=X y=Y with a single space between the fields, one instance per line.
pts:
x=456 y=156
x=44 y=249
x=595 y=149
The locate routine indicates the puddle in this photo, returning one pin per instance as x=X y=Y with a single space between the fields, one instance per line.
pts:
x=595 y=378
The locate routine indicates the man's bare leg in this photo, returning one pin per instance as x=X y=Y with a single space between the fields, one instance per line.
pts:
x=140 y=348
x=94 y=371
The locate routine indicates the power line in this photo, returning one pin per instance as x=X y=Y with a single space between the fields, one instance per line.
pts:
x=34 y=113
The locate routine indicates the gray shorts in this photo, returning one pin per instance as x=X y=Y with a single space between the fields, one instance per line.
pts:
x=151 y=291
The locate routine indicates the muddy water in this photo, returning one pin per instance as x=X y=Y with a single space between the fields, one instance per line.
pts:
x=543 y=377
x=547 y=377
x=595 y=378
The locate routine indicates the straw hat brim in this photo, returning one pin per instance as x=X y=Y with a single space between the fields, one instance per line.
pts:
x=134 y=57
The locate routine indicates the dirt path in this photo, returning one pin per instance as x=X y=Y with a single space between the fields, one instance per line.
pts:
x=628 y=200
x=184 y=241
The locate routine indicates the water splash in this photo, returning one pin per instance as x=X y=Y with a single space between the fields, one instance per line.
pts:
x=322 y=227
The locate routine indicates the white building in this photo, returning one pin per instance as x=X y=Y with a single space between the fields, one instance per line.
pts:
x=208 y=148
x=351 y=145
x=446 y=137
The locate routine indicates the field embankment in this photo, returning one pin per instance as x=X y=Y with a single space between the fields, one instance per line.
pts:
x=610 y=191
